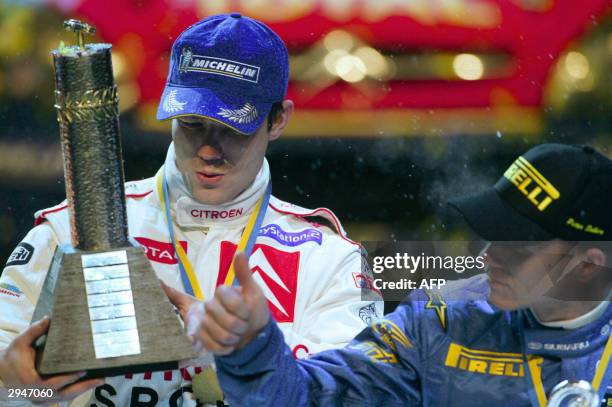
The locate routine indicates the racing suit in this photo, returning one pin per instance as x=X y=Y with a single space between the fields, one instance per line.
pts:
x=310 y=274
x=429 y=352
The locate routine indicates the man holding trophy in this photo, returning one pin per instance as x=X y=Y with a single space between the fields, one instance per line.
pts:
x=211 y=199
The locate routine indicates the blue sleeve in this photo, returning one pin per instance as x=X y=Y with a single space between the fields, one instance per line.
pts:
x=379 y=367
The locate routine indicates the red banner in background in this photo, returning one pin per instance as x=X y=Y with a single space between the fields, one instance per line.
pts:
x=508 y=46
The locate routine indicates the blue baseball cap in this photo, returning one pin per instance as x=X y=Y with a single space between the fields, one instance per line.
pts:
x=228 y=68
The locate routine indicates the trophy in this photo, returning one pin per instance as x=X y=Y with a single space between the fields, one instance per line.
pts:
x=109 y=315
x=573 y=394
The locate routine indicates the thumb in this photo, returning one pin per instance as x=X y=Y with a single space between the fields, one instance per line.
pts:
x=243 y=272
x=35 y=330
x=180 y=300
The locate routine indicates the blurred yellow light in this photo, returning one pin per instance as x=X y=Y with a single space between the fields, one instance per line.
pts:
x=375 y=63
x=129 y=95
x=331 y=59
x=211 y=7
x=338 y=39
x=351 y=68
x=577 y=65
x=118 y=62
x=468 y=67
x=586 y=84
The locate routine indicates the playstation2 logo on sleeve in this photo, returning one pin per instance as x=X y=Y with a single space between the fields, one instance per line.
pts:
x=21 y=255
x=190 y=62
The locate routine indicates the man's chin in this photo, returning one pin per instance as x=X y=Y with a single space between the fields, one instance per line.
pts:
x=502 y=303
x=211 y=196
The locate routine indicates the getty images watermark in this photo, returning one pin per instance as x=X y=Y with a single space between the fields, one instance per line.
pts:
x=394 y=269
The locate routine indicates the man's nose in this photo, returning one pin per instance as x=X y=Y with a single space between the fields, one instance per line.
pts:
x=492 y=259
x=208 y=152
x=210 y=147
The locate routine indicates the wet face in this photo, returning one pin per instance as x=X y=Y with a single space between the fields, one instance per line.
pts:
x=217 y=162
x=520 y=275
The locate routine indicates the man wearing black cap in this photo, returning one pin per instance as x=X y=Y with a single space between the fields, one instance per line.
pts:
x=534 y=330
x=212 y=198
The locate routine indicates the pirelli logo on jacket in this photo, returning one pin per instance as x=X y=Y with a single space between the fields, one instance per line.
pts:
x=485 y=362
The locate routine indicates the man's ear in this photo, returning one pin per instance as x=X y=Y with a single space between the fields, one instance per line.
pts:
x=594 y=263
x=281 y=121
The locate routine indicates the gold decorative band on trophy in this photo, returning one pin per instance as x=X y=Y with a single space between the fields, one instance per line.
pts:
x=98 y=104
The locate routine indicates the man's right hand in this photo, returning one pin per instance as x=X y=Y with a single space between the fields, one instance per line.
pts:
x=17 y=370
x=230 y=319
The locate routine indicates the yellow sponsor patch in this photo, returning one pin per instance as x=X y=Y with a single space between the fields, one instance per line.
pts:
x=391 y=335
x=375 y=352
x=536 y=188
x=437 y=303
x=485 y=362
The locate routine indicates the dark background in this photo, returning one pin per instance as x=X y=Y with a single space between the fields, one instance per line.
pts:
x=381 y=187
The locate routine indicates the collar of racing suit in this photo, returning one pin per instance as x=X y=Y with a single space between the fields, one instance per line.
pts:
x=190 y=213
x=543 y=340
x=580 y=321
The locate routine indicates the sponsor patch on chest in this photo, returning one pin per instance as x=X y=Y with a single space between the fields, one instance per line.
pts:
x=10 y=290
x=21 y=255
x=189 y=214
x=276 y=272
x=160 y=252
x=291 y=239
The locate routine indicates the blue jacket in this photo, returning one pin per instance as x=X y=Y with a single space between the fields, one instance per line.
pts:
x=429 y=352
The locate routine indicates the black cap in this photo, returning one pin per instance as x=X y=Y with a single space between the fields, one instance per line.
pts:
x=551 y=191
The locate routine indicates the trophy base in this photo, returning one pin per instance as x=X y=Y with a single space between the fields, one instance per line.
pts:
x=109 y=316
x=120 y=371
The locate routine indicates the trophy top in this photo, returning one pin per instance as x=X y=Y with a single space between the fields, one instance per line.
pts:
x=80 y=28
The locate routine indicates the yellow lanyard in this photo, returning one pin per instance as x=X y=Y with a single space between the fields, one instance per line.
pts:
x=184 y=263
x=536 y=373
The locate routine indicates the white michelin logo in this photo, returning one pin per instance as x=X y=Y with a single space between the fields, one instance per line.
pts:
x=171 y=104
x=246 y=114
